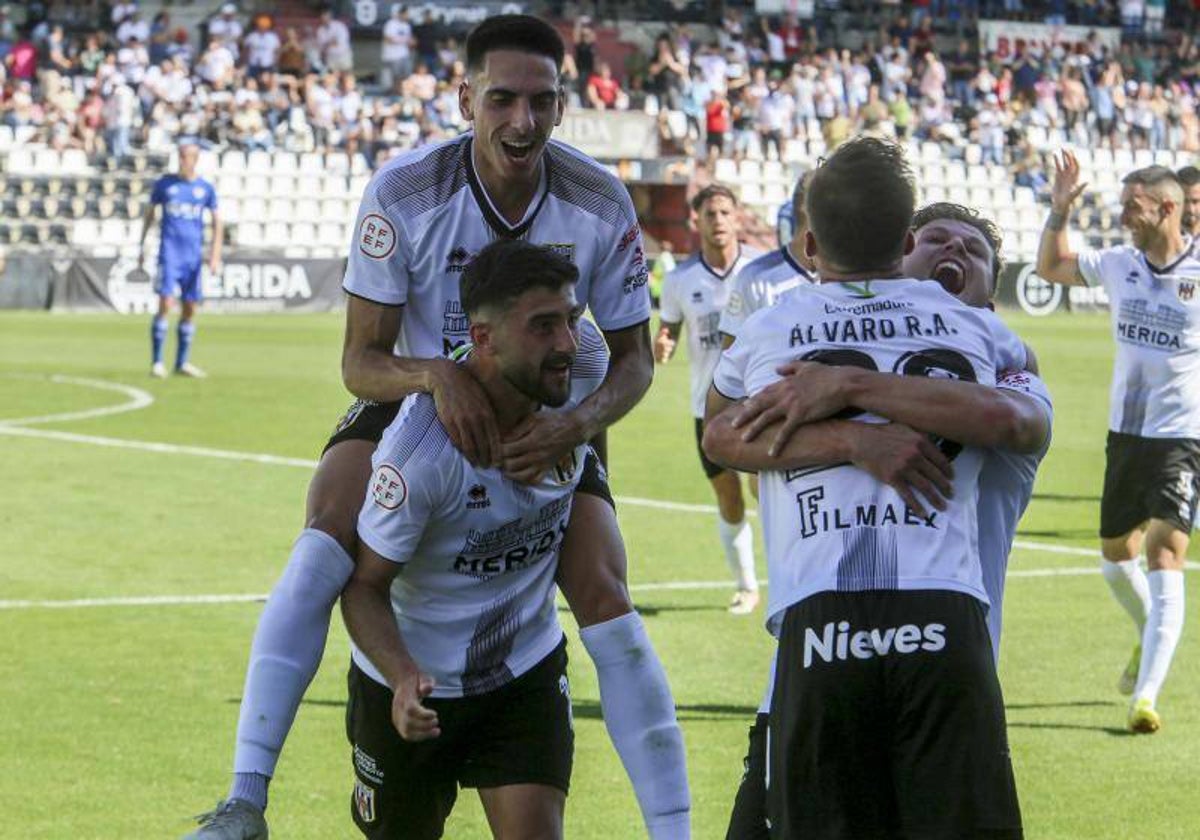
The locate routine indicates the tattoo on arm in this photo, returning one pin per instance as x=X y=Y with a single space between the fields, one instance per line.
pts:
x=1057 y=221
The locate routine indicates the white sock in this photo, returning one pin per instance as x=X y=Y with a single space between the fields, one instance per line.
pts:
x=1163 y=628
x=1130 y=587
x=288 y=644
x=738 y=541
x=639 y=714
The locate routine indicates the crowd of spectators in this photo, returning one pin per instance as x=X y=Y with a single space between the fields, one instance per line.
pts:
x=752 y=82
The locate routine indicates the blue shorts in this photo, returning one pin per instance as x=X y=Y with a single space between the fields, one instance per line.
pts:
x=180 y=281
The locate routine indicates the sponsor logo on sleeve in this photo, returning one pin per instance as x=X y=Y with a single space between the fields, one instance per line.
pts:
x=364 y=801
x=477 y=497
x=376 y=237
x=388 y=488
x=629 y=237
x=635 y=281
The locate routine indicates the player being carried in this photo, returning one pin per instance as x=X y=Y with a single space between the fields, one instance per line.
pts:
x=1152 y=470
x=696 y=294
x=459 y=667
x=183 y=198
x=886 y=715
x=423 y=217
x=960 y=249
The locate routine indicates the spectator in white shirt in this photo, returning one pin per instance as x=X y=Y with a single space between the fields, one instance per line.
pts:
x=397 y=47
x=226 y=29
x=262 y=48
x=333 y=44
x=133 y=27
x=120 y=11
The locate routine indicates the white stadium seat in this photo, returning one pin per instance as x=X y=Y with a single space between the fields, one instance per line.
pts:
x=233 y=160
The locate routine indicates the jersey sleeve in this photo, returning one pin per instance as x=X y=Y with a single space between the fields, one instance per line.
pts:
x=730 y=376
x=591 y=362
x=669 y=309
x=733 y=316
x=377 y=268
x=158 y=195
x=1032 y=385
x=402 y=497
x=1010 y=349
x=210 y=197
x=620 y=292
x=1095 y=265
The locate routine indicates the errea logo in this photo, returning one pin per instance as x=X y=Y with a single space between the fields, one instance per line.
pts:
x=458 y=260
x=836 y=641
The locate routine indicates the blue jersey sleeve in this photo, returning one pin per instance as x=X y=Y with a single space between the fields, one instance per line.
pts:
x=159 y=194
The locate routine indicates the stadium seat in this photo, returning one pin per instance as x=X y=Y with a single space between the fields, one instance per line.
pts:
x=303 y=233
x=1023 y=197
x=933 y=195
x=280 y=209
x=1123 y=160
x=310 y=185
x=306 y=209
x=282 y=184
x=357 y=186
x=259 y=162
x=749 y=170
x=337 y=163
x=332 y=235
x=332 y=210
x=231 y=209
x=114 y=231
x=276 y=235
x=726 y=171
x=74 y=161
x=774 y=194
x=85 y=233
x=283 y=163
x=256 y=185
x=1143 y=158
x=6 y=137
x=228 y=185
x=254 y=208
x=312 y=163
x=20 y=161
x=751 y=193
x=249 y=235
x=233 y=160
x=772 y=170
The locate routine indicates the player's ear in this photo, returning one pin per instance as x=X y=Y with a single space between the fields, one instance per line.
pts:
x=560 y=106
x=810 y=244
x=465 y=97
x=910 y=242
x=481 y=335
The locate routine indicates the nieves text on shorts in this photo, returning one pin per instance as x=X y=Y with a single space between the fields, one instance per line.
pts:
x=836 y=641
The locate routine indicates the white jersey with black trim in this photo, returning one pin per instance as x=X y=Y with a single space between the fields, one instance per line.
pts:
x=695 y=294
x=1005 y=488
x=1156 y=325
x=761 y=284
x=425 y=215
x=835 y=528
x=475 y=598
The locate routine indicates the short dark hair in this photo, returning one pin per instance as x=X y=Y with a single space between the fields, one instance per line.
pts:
x=1189 y=176
x=1154 y=177
x=860 y=205
x=507 y=269
x=710 y=192
x=524 y=33
x=799 y=196
x=948 y=210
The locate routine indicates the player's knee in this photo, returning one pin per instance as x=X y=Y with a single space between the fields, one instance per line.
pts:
x=598 y=597
x=1117 y=550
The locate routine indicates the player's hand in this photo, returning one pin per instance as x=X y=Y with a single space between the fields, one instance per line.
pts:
x=412 y=720
x=465 y=411
x=1066 y=182
x=664 y=347
x=905 y=460
x=808 y=391
x=537 y=444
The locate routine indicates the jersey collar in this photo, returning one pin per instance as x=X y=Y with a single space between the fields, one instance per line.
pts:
x=729 y=271
x=491 y=215
x=799 y=269
x=1187 y=252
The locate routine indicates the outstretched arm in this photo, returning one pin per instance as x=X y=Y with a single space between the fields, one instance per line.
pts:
x=1055 y=261
x=976 y=415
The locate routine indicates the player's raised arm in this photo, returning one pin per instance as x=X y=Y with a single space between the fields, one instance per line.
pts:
x=1056 y=262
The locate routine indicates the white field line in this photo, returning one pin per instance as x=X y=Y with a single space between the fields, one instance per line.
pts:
x=666 y=586
x=138 y=399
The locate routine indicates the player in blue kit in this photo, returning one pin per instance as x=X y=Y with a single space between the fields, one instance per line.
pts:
x=183 y=198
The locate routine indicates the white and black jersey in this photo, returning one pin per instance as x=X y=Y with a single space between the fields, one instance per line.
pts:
x=761 y=284
x=695 y=294
x=1005 y=488
x=836 y=528
x=1156 y=325
x=425 y=215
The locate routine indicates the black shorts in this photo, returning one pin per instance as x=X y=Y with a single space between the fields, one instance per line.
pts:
x=368 y=420
x=521 y=733
x=749 y=818
x=710 y=469
x=1149 y=478
x=887 y=721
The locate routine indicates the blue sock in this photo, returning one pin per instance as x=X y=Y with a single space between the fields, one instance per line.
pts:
x=158 y=335
x=187 y=330
x=250 y=787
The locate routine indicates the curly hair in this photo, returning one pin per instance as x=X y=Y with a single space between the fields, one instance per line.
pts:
x=949 y=211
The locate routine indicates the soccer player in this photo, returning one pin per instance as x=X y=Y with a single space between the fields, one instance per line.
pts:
x=183 y=198
x=422 y=219
x=696 y=293
x=960 y=249
x=1189 y=179
x=886 y=715
x=767 y=278
x=459 y=667
x=1152 y=470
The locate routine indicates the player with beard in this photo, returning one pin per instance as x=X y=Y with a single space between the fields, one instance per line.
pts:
x=1189 y=179
x=422 y=219
x=696 y=294
x=1152 y=454
x=886 y=715
x=961 y=250
x=459 y=666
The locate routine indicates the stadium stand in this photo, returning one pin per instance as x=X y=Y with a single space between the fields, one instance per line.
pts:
x=93 y=102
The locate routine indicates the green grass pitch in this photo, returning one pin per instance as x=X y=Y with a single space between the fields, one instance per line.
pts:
x=118 y=720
